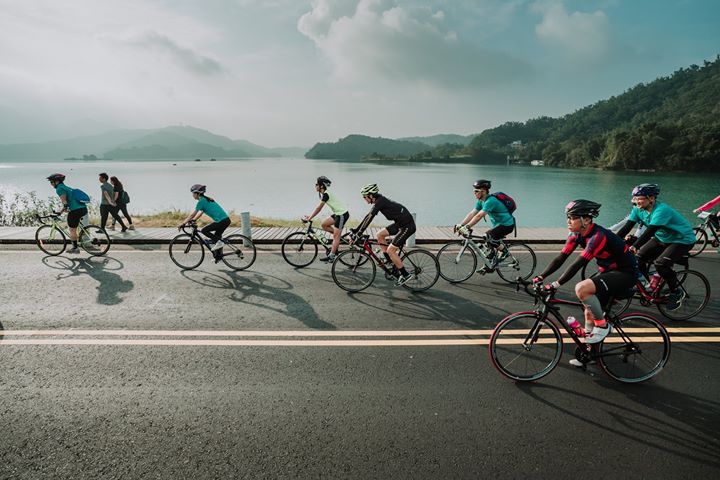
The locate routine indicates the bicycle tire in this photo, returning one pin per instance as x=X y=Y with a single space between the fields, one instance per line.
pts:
x=242 y=252
x=299 y=250
x=525 y=340
x=520 y=262
x=357 y=277
x=186 y=251
x=424 y=268
x=697 y=296
x=456 y=265
x=636 y=350
x=351 y=259
x=45 y=240
x=701 y=241
x=97 y=242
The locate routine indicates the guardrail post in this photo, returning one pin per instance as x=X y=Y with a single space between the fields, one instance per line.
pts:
x=245 y=221
x=411 y=240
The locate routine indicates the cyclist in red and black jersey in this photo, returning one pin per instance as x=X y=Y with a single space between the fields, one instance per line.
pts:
x=617 y=264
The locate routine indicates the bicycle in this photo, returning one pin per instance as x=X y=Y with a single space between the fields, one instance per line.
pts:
x=458 y=259
x=711 y=223
x=300 y=249
x=53 y=238
x=187 y=250
x=526 y=346
x=355 y=270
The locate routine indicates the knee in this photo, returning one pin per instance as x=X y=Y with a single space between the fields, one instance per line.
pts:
x=584 y=289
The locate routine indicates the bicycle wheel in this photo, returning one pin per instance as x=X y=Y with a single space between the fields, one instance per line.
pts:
x=353 y=256
x=356 y=277
x=697 y=294
x=50 y=240
x=93 y=239
x=186 y=251
x=457 y=262
x=520 y=262
x=524 y=347
x=424 y=268
x=636 y=350
x=239 y=252
x=701 y=241
x=299 y=250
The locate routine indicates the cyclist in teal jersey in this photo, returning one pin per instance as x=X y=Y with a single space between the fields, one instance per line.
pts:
x=502 y=221
x=667 y=239
x=334 y=223
x=212 y=209
x=76 y=209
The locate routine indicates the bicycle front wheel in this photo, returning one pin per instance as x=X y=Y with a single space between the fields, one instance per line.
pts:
x=186 y=251
x=525 y=347
x=424 y=268
x=94 y=240
x=457 y=262
x=239 y=252
x=636 y=350
x=357 y=276
x=50 y=240
x=697 y=295
x=520 y=262
x=299 y=250
x=701 y=241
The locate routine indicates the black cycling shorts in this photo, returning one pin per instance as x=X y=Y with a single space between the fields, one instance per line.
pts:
x=340 y=220
x=74 y=217
x=615 y=284
x=497 y=233
x=400 y=233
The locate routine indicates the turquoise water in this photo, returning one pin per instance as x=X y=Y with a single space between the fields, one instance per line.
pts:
x=440 y=194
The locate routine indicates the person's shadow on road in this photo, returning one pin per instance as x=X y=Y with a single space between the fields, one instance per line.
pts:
x=101 y=269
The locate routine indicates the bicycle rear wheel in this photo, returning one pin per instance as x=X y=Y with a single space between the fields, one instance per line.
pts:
x=424 y=268
x=701 y=241
x=355 y=277
x=697 y=295
x=50 y=240
x=239 y=252
x=636 y=350
x=94 y=240
x=520 y=262
x=457 y=262
x=186 y=251
x=525 y=347
x=299 y=250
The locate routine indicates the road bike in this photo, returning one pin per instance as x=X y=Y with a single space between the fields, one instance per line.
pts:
x=355 y=270
x=458 y=259
x=52 y=238
x=710 y=224
x=526 y=346
x=187 y=250
x=300 y=249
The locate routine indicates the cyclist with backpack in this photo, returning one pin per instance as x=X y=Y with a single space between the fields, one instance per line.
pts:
x=221 y=220
x=499 y=207
x=74 y=202
x=334 y=223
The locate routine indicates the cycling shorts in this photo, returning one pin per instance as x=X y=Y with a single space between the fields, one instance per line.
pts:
x=400 y=233
x=74 y=217
x=497 y=233
x=340 y=220
x=615 y=284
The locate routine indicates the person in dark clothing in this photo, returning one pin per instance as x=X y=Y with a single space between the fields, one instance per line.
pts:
x=119 y=196
x=107 y=203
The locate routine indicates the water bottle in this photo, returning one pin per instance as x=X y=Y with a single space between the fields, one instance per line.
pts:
x=655 y=281
x=575 y=325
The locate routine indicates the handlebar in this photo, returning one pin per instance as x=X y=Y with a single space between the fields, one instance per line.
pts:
x=539 y=292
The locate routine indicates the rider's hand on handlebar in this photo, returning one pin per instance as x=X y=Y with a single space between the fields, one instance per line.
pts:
x=537 y=279
x=305 y=219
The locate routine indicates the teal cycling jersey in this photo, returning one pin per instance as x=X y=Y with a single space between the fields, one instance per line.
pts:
x=72 y=204
x=211 y=209
x=672 y=227
x=496 y=210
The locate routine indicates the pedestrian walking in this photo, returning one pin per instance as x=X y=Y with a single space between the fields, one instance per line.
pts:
x=121 y=199
x=107 y=202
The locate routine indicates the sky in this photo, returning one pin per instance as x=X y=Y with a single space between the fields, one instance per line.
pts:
x=293 y=72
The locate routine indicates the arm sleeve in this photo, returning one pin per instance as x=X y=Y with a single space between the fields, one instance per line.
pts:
x=366 y=221
x=576 y=266
x=625 y=229
x=646 y=235
x=554 y=265
x=709 y=205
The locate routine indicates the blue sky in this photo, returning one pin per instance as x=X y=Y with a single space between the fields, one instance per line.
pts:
x=291 y=72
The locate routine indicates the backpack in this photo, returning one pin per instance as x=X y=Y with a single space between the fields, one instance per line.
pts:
x=125 y=198
x=80 y=196
x=506 y=200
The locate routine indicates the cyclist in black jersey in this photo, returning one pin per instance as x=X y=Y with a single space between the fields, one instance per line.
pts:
x=617 y=264
x=401 y=229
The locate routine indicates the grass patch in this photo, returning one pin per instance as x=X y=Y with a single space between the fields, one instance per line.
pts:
x=174 y=217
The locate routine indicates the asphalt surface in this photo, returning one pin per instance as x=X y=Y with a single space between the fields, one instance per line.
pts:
x=211 y=408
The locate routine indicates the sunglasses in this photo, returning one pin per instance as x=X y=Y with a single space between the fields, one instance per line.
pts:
x=476 y=190
x=573 y=217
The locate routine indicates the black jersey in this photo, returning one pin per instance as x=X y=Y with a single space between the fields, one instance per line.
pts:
x=393 y=211
x=610 y=251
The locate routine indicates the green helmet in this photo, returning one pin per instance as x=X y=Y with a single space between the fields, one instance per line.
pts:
x=370 y=189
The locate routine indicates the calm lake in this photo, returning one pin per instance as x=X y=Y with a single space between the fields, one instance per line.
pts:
x=440 y=194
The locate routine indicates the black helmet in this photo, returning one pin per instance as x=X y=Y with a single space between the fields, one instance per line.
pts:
x=583 y=208
x=646 y=190
x=481 y=184
x=323 y=181
x=197 y=188
x=56 y=177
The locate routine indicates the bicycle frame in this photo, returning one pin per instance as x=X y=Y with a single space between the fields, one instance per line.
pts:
x=58 y=225
x=203 y=241
x=311 y=233
x=708 y=225
x=367 y=247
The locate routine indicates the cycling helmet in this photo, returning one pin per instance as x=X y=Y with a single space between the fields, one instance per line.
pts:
x=646 y=190
x=197 y=188
x=583 y=208
x=370 y=189
x=56 y=177
x=323 y=181
x=481 y=184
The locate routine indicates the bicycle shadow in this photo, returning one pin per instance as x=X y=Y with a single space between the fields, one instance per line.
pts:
x=2 y=329
x=100 y=269
x=687 y=416
x=262 y=291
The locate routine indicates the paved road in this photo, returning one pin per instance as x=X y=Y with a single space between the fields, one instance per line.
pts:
x=252 y=393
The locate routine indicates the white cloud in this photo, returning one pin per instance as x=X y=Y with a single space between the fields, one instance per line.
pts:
x=585 y=36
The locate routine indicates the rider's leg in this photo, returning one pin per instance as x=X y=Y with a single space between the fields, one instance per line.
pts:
x=647 y=254
x=327 y=224
x=586 y=292
x=381 y=237
x=399 y=240
x=664 y=262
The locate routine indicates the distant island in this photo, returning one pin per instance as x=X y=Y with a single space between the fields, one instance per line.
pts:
x=90 y=157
